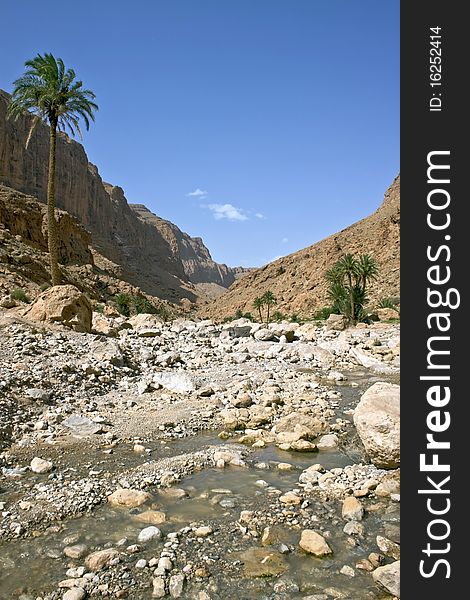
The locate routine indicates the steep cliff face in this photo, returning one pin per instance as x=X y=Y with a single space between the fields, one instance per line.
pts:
x=148 y=254
x=298 y=280
x=190 y=251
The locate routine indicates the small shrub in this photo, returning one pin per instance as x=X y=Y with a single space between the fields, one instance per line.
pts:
x=99 y=308
x=278 y=316
x=294 y=318
x=44 y=286
x=20 y=295
x=388 y=303
x=163 y=313
x=142 y=305
x=123 y=303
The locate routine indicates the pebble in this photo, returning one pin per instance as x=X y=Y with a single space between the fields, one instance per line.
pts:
x=74 y=594
x=149 y=533
x=203 y=531
x=39 y=465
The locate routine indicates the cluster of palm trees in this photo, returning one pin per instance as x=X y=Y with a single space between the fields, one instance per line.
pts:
x=51 y=93
x=266 y=300
x=348 y=279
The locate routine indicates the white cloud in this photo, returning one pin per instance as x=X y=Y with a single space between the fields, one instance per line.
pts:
x=260 y=216
x=226 y=211
x=198 y=193
x=284 y=240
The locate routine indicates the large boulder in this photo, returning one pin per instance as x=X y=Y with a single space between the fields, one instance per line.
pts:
x=63 y=304
x=336 y=322
x=377 y=420
x=388 y=578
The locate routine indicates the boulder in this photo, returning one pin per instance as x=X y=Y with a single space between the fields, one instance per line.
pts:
x=180 y=383
x=81 y=426
x=314 y=543
x=264 y=335
x=306 y=425
x=102 y=325
x=336 y=322
x=128 y=498
x=39 y=465
x=377 y=420
x=64 y=304
x=352 y=509
x=388 y=578
x=97 y=560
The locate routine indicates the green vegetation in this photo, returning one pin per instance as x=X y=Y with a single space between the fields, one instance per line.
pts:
x=44 y=286
x=52 y=94
x=142 y=305
x=324 y=313
x=348 y=280
x=128 y=305
x=258 y=305
x=99 y=308
x=19 y=294
x=390 y=303
x=123 y=303
x=267 y=299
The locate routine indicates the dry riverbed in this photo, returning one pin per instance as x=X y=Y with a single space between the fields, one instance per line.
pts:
x=195 y=461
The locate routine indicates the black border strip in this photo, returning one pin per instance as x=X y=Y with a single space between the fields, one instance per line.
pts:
x=424 y=131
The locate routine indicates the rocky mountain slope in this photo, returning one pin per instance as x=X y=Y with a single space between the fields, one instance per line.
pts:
x=194 y=255
x=152 y=253
x=24 y=255
x=298 y=281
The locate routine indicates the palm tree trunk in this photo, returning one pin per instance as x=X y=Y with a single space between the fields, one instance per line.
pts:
x=267 y=316
x=52 y=227
x=260 y=315
x=351 y=299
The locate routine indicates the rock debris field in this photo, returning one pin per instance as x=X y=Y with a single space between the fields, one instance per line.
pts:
x=198 y=461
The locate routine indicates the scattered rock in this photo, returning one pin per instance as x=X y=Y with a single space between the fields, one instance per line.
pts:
x=148 y=534
x=39 y=465
x=75 y=593
x=314 y=543
x=81 y=426
x=77 y=551
x=128 y=498
x=352 y=509
x=99 y=559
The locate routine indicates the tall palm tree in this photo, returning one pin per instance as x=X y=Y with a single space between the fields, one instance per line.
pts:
x=367 y=269
x=50 y=92
x=348 y=268
x=269 y=300
x=258 y=303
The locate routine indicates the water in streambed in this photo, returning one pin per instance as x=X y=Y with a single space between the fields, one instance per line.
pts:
x=31 y=568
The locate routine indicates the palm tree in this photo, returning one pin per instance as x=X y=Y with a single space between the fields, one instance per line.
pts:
x=366 y=269
x=258 y=304
x=348 y=268
x=51 y=93
x=269 y=300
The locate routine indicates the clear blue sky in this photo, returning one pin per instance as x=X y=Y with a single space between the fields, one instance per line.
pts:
x=284 y=113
